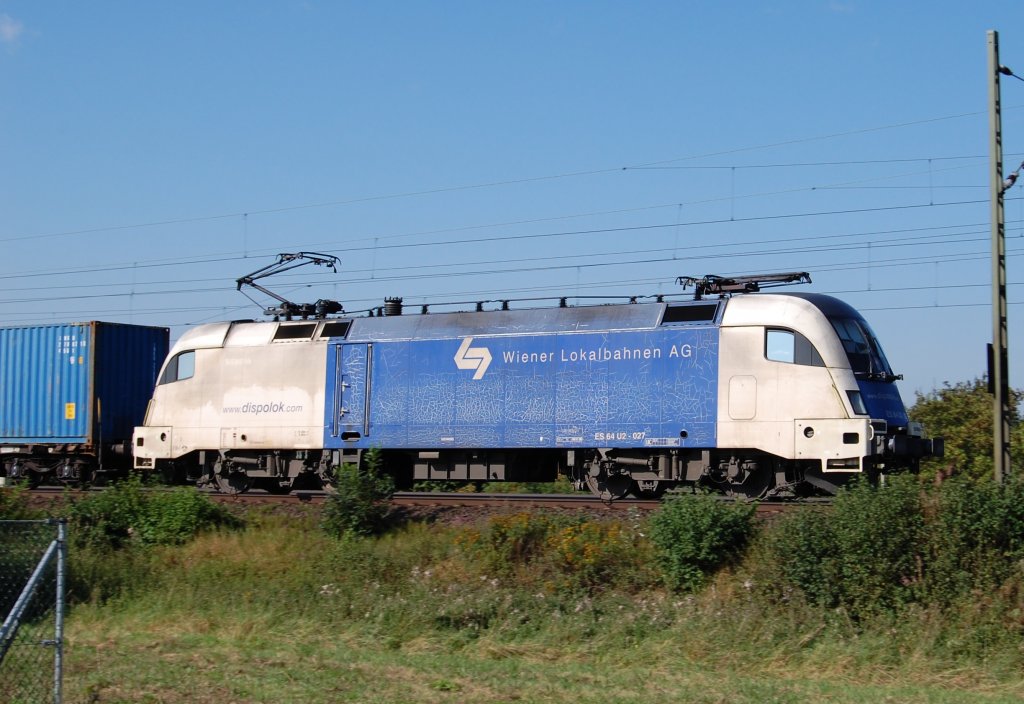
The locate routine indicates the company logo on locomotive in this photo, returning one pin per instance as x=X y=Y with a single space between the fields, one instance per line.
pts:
x=565 y=352
x=478 y=358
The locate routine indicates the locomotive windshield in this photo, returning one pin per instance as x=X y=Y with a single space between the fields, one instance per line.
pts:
x=862 y=349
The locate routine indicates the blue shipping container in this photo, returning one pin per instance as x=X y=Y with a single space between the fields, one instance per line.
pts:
x=78 y=383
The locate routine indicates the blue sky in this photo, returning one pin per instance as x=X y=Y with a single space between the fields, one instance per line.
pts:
x=152 y=153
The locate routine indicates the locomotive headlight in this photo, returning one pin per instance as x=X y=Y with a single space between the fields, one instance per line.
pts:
x=857 y=402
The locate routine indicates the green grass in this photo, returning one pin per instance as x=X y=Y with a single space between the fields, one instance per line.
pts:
x=218 y=657
x=280 y=612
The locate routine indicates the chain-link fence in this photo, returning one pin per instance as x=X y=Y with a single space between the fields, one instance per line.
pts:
x=32 y=568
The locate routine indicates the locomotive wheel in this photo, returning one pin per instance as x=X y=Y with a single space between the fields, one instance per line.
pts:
x=648 y=489
x=328 y=480
x=233 y=483
x=309 y=481
x=610 y=488
x=274 y=485
x=756 y=484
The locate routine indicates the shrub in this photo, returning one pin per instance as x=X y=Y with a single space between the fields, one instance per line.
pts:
x=106 y=518
x=130 y=520
x=864 y=554
x=975 y=537
x=125 y=514
x=801 y=552
x=174 y=517
x=882 y=547
x=695 y=534
x=879 y=532
x=359 y=504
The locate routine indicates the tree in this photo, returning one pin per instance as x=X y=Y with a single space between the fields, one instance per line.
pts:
x=962 y=414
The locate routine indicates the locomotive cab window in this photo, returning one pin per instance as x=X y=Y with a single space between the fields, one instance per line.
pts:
x=182 y=366
x=862 y=348
x=791 y=347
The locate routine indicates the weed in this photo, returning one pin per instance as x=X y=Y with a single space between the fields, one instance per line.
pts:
x=508 y=542
x=14 y=504
x=589 y=556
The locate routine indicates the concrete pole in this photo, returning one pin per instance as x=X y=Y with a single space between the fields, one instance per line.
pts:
x=999 y=371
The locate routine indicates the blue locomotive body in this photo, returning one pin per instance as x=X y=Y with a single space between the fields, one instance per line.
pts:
x=633 y=388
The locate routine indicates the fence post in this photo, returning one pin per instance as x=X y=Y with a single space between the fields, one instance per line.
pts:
x=58 y=629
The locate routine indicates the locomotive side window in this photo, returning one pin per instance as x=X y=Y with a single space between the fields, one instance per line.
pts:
x=300 y=331
x=183 y=366
x=791 y=347
x=690 y=313
x=335 y=328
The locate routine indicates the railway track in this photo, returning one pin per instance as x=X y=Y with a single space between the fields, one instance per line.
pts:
x=560 y=501
x=585 y=502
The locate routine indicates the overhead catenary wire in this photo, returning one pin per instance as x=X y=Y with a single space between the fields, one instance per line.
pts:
x=514 y=270
x=246 y=213
x=506 y=237
x=211 y=259
x=938 y=236
x=375 y=246
x=533 y=265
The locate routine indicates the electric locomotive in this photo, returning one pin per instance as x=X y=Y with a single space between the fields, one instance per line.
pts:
x=755 y=394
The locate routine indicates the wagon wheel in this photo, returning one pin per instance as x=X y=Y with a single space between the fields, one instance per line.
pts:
x=609 y=488
x=233 y=482
x=26 y=475
x=28 y=480
x=83 y=473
